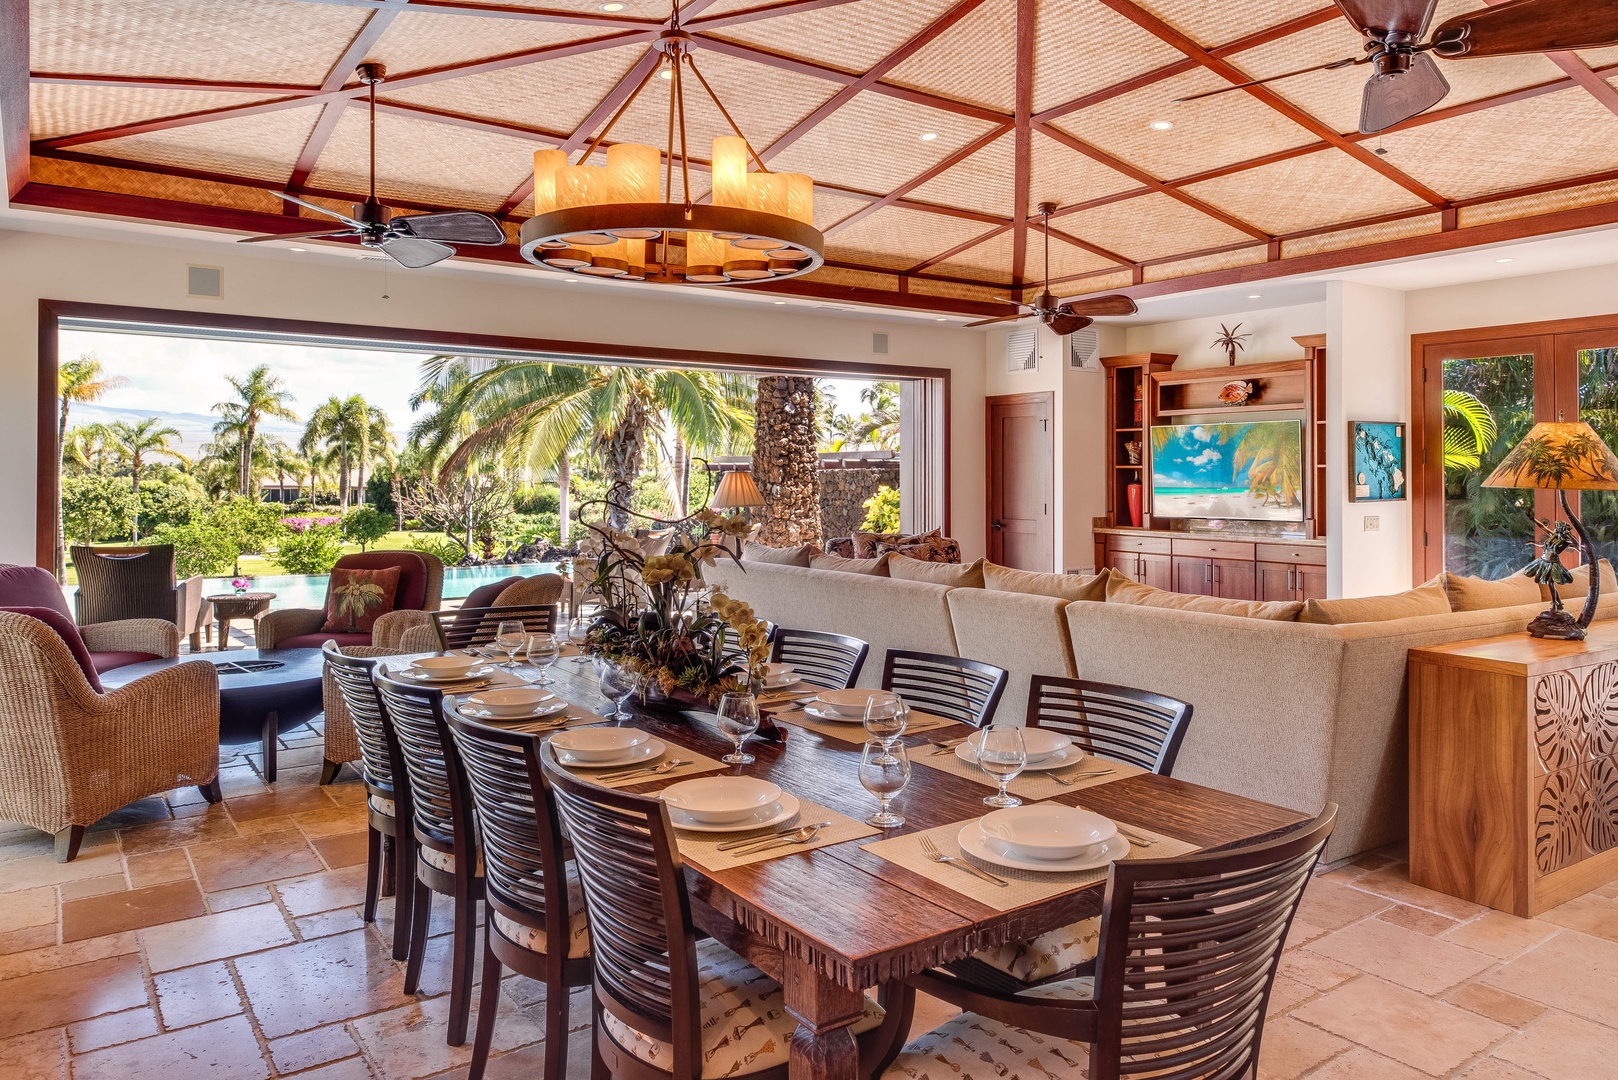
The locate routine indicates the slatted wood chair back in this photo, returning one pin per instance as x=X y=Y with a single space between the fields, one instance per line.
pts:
x=732 y=653
x=641 y=935
x=829 y=661
x=1189 y=950
x=966 y=691
x=1117 y=722
x=466 y=627
x=440 y=803
x=379 y=748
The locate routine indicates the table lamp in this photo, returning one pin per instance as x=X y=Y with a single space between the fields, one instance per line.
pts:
x=1560 y=456
x=736 y=491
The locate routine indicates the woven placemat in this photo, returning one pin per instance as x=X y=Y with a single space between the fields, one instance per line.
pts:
x=1030 y=785
x=855 y=732
x=695 y=764
x=1022 y=886
x=703 y=848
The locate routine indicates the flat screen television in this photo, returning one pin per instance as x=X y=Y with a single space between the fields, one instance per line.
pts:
x=1250 y=472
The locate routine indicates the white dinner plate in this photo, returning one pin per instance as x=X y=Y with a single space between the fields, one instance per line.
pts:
x=1059 y=760
x=650 y=750
x=477 y=712
x=780 y=681
x=975 y=843
x=780 y=812
x=820 y=712
x=417 y=675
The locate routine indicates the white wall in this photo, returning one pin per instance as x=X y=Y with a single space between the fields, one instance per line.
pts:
x=1569 y=294
x=339 y=289
x=1192 y=339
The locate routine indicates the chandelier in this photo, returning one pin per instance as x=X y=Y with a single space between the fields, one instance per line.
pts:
x=613 y=221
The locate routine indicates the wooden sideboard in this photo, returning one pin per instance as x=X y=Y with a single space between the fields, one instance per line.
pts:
x=1235 y=569
x=1514 y=768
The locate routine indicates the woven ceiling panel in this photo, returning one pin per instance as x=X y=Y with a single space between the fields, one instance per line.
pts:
x=263 y=40
x=721 y=7
x=899 y=238
x=1207 y=264
x=1150 y=227
x=830 y=209
x=975 y=60
x=1365 y=234
x=851 y=37
x=425 y=162
x=1219 y=22
x=263 y=146
x=990 y=260
x=1095 y=283
x=954 y=290
x=1322 y=188
x=152 y=185
x=66 y=109
x=1548 y=202
x=553 y=95
x=1207 y=134
x=873 y=143
x=1066 y=259
x=1547 y=138
x=1081 y=46
x=1067 y=177
x=859 y=279
x=982 y=182
x=416 y=41
x=633 y=9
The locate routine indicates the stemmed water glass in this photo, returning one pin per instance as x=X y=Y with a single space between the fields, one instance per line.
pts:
x=509 y=637
x=578 y=631
x=1003 y=756
x=619 y=683
x=543 y=651
x=885 y=720
x=884 y=772
x=738 y=718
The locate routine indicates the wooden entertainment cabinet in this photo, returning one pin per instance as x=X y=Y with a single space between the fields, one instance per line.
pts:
x=1234 y=563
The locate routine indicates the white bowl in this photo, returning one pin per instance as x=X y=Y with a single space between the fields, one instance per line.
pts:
x=599 y=743
x=512 y=701
x=1039 y=742
x=447 y=667
x=852 y=702
x=779 y=672
x=718 y=799
x=1048 y=830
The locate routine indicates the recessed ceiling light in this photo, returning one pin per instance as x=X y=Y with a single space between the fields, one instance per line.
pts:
x=1255 y=296
x=612 y=7
x=297 y=249
x=666 y=74
x=778 y=303
x=571 y=280
x=1162 y=125
x=1505 y=260
x=929 y=136
x=941 y=318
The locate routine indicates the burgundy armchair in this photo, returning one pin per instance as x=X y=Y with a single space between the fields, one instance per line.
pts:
x=421 y=589
x=30 y=590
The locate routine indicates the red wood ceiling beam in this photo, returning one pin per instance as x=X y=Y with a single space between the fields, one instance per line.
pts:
x=966 y=245
x=146 y=82
x=14 y=95
x=1094 y=249
x=1023 y=150
x=899 y=193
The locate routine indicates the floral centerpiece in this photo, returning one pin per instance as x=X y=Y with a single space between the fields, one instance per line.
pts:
x=661 y=621
x=241 y=584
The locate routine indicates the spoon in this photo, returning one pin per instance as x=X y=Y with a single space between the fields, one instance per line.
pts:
x=771 y=838
x=651 y=770
x=801 y=836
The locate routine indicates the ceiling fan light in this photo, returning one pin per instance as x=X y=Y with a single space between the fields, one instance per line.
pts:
x=788 y=254
x=756 y=243
x=567 y=259
x=800 y=197
x=592 y=239
x=706 y=275
x=632 y=173
x=546 y=164
x=730 y=178
x=731 y=236
x=748 y=270
x=636 y=234
x=605 y=268
x=780 y=268
x=767 y=193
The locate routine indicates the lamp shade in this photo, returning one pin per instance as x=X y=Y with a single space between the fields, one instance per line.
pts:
x=1558 y=455
x=736 y=489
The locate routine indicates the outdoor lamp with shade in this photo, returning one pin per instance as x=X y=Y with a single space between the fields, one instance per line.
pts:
x=736 y=491
x=1563 y=457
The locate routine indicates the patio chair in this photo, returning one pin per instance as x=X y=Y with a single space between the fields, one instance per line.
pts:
x=829 y=661
x=421 y=589
x=117 y=583
x=32 y=590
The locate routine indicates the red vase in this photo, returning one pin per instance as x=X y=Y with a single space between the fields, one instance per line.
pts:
x=1134 y=505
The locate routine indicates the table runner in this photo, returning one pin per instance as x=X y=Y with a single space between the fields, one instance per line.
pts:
x=855 y=732
x=1030 y=785
x=703 y=848
x=1023 y=886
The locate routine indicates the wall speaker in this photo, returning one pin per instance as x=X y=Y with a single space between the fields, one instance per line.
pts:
x=205 y=281
x=879 y=343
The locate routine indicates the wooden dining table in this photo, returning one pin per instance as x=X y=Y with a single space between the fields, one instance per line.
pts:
x=832 y=922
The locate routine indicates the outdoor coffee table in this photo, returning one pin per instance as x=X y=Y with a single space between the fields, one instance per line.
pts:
x=261 y=695
x=228 y=606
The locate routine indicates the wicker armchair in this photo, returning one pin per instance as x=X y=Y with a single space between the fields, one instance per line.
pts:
x=69 y=756
x=111 y=644
x=421 y=588
x=121 y=583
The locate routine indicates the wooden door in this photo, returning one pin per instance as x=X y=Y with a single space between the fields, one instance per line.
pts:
x=1157 y=571
x=1021 y=481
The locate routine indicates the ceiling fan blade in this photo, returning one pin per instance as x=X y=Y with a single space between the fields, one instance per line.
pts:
x=1009 y=300
x=1395 y=98
x=1399 y=16
x=344 y=218
x=413 y=252
x=1115 y=304
x=1002 y=318
x=452 y=227
x=1347 y=61
x=1528 y=26
x=1064 y=324
x=295 y=235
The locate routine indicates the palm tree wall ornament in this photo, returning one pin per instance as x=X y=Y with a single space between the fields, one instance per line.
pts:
x=1232 y=342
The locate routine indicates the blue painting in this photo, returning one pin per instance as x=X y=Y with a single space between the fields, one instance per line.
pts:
x=1241 y=471
x=1378 y=453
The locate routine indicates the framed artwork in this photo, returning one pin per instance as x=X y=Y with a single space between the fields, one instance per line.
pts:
x=1376 y=454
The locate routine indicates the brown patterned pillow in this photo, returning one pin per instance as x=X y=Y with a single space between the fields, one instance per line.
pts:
x=865 y=543
x=841 y=546
x=926 y=547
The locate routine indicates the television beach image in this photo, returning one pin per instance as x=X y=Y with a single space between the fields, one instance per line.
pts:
x=1248 y=472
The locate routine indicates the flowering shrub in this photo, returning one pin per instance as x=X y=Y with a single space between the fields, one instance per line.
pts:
x=302 y=525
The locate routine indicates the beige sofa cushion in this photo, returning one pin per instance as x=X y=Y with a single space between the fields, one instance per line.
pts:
x=957 y=575
x=1065 y=586
x=1427 y=599
x=1481 y=594
x=1024 y=633
x=780 y=556
x=1120 y=590
x=877 y=567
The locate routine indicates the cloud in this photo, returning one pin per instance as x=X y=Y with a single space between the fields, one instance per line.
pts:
x=1203 y=434
x=1207 y=457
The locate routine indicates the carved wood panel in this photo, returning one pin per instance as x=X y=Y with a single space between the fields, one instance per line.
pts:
x=1575 y=749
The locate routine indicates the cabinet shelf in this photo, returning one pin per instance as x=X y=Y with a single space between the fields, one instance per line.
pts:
x=1236 y=410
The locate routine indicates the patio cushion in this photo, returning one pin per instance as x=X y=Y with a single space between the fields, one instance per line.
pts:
x=65 y=628
x=1051 y=953
x=107 y=661
x=970 y=1045
x=412 y=593
x=355 y=598
x=578 y=925
x=956 y=575
x=485 y=595
x=32 y=586
x=316 y=641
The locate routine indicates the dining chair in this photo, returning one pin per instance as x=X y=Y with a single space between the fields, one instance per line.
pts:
x=666 y=1004
x=733 y=653
x=966 y=691
x=829 y=661
x=1189 y=951
x=534 y=920
x=390 y=850
x=467 y=627
x=447 y=857
x=1117 y=722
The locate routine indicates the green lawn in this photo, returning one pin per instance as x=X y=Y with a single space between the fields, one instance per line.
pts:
x=258 y=566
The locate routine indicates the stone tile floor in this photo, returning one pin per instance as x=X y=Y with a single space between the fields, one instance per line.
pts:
x=226 y=941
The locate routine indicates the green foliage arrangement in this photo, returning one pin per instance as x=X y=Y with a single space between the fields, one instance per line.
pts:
x=538 y=499
x=313 y=551
x=96 y=508
x=448 y=551
x=365 y=525
x=882 y=511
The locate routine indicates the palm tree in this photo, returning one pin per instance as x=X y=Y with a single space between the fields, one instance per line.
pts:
x=81 y=379
x=379 y=447
x=353 y=431
x=259 y=396
x=1469 y=430
x=134 y=444
x=879 y=425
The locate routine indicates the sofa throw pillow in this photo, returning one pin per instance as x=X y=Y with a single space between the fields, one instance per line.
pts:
x=1121 y=590
x=877 y=567
x=841 y=546
x=780 y=556
x=1480 y=594
x=1581 y=584
x=931 y=546
x=355 y=598
x=999 y=578
x=1427 y=599
x=955 y=575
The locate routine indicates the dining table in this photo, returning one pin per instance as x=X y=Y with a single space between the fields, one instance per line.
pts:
x=831 y=922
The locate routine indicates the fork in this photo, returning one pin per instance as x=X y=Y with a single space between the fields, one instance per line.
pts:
x=930 y=849
x=1073 y=777
x=944 y=746
x=651 y=770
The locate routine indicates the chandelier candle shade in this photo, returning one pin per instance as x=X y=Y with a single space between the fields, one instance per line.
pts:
x=619 y=220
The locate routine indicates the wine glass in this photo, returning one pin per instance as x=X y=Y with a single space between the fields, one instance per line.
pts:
x=884 y=772
x=1003 y=756
x=738 y=718
x=885 y=719
x=509 y=637
x=543 y=651
x=578 y=631
x=619 y=683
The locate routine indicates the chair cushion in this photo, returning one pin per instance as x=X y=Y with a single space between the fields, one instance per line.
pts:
x=385 y=807
x=877 y=567
x=1121 y=590
x=106 y=661
x=798 y=555
x=578 y=925
x=1480 y=594
x=1035 y=959
x=65 y=628
x=32 y=586
x=970 y=1045
x=484 y=595
x=442 y=860
x=745 y=1025
x=356 y=598
x=412 y=592
x=316 y=641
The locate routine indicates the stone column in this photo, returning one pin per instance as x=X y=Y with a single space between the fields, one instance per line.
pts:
x=786 y=464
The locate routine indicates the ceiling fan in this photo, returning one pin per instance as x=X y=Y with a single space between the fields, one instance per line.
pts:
x=414 y=241
x=1063 y=319
x=1405 y=81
